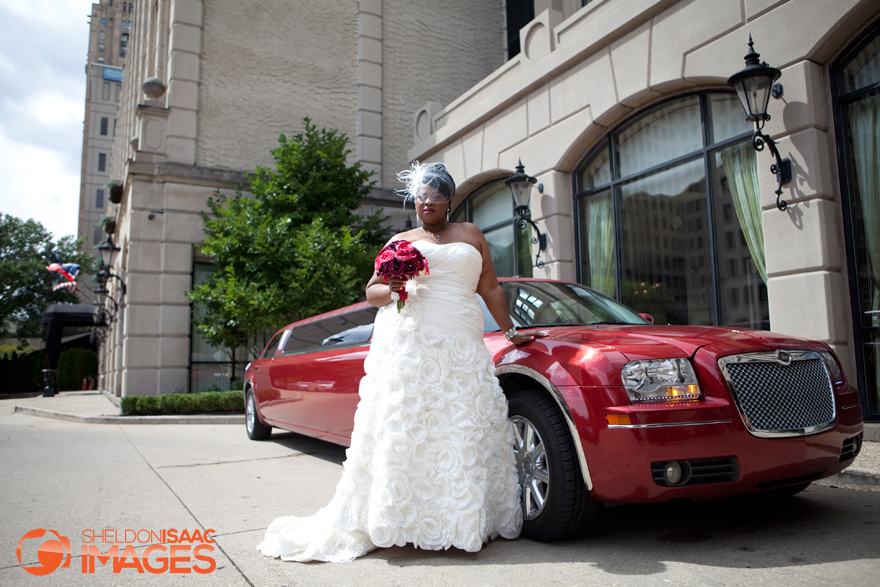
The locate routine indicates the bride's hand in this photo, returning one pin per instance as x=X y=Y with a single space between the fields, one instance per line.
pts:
x=396 y=284
x=524 y=337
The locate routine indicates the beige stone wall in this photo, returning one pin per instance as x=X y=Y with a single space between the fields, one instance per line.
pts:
x=264 y=67
x=235 y=77
x=432 y=55
x=579 y=77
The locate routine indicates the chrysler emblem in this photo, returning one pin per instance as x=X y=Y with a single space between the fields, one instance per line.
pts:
x=783 y=358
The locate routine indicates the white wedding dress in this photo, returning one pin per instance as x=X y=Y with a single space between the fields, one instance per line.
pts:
x=431 y=459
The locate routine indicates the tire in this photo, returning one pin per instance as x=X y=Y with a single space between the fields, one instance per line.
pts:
x=556 y=503
x=256 y=430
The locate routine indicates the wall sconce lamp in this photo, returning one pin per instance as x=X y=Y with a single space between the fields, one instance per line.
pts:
x=107 y=249
x=754 y=85
x=520 y=186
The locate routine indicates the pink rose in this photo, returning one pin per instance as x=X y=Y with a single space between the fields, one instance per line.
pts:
x=383 y=258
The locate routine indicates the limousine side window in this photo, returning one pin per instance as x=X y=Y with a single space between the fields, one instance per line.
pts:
x=276 y=345
x=346 y=329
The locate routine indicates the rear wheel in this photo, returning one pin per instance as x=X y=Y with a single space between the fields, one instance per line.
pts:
x=256 y=430
x=556 y=503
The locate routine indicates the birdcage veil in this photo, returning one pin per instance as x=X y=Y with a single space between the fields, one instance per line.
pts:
x=430 y=174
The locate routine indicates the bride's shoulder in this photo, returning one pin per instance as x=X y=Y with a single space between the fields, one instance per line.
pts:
x=473 y=235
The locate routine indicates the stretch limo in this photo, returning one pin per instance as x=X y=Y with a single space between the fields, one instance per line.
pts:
x=609 y=407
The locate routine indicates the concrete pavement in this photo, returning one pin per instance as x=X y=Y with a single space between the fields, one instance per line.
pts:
x=68 y=474
x=97 y=407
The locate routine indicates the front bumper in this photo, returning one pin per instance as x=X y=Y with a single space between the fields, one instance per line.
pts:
x=624 y=460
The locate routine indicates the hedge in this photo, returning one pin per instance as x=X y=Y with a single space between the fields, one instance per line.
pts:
x=74 y=365
x=205 y=402
x=21 y=373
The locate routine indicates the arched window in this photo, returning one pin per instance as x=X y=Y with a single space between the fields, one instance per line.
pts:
x=855 y=79
x=491 y=208
x=669 y=217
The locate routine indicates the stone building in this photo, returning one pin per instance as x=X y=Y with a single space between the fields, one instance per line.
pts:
x=650 y=188
x=109 y=32
x=621 y=109
x=208 y=90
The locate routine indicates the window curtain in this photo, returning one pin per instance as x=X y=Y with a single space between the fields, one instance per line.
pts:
x=865 y=123
x=601 y=244
x=740 y=165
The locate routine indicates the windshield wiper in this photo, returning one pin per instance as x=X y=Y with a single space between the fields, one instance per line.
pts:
x=609 y=322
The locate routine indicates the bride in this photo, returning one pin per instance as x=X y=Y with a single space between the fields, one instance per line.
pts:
x=431 y=458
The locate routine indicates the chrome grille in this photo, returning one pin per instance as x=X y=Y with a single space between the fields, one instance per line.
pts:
x=781 y=393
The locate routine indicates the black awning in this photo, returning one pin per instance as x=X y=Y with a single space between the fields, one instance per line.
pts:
x=70 y=314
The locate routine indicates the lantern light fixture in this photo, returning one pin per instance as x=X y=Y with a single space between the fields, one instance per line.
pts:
x=754 y=85
x=520 y=185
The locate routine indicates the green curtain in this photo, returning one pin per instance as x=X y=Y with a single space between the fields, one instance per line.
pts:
x=601 y=244
x=865 y=123
x=740 y=166
x=524 y=257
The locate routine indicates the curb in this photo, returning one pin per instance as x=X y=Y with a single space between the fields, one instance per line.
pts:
x=853 y=479
x=172 y=419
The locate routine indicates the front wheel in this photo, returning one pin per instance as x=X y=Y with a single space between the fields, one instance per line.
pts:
x=556 y=503
x=256 y=430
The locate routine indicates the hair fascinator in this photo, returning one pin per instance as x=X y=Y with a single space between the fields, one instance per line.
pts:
x=434 y=175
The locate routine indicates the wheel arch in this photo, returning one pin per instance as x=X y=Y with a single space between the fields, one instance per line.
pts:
x=514 y=377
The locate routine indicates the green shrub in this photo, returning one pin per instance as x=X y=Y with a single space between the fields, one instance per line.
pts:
x=205 y=402
x=74 y=365
x=21 y=372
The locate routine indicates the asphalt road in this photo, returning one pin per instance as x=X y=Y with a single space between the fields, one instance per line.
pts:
x=82 y=480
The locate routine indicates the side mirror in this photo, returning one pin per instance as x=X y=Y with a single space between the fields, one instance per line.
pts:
x=647 y=317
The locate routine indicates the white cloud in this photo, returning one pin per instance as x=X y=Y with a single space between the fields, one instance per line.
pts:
x=43 y=53
x=55 y=109
x=38 y=185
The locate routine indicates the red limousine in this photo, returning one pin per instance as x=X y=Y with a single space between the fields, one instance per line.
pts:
x=607 y=408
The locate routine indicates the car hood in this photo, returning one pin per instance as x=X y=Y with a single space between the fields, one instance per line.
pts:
x=638 y=342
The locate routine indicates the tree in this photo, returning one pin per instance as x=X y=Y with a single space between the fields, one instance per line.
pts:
x=25 y=284
x=289 y=250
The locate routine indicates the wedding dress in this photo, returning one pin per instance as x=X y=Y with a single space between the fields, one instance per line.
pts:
x=431 y=459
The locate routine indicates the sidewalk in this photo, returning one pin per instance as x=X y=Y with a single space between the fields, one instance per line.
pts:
x=96 y=407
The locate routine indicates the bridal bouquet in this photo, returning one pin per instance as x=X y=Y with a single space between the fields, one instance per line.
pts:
x=400 y=259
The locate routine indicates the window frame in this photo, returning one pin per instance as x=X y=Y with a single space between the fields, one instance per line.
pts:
x=704 y=153
x=466 y=210
x=839 y=103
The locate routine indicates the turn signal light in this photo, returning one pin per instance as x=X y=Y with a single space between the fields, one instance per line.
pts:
x=683 y=392
x=618 y=419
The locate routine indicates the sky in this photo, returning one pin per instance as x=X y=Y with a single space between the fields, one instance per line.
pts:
x=43 y=49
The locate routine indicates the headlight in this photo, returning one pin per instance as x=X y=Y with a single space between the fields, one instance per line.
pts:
x=660 y=380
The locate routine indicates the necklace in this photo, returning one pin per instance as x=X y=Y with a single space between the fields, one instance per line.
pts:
x=437 y=236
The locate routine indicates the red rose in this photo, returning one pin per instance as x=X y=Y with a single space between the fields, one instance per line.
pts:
x=383 y=258
x=400 y=259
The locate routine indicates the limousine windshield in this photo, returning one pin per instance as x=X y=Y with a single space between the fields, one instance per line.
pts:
x=534 y=304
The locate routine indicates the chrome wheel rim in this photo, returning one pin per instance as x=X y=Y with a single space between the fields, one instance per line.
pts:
x=531 y=466
x=249 y=414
